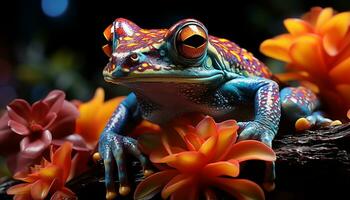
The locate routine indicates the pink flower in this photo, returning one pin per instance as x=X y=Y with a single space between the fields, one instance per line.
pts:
x=34 y=127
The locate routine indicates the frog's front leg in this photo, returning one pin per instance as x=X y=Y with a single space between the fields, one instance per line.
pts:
x=264 y=127
x=113 y=144
x=265 y=94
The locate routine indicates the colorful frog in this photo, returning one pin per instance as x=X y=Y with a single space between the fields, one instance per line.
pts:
x=183 y=69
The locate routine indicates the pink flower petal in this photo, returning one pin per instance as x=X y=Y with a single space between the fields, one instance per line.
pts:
x=55 y=100
x=18 y=128
x=48 y=120
x=78 y=142
x=65 y=122
x=17 y=162
x=32 y=148
x=39 y=111
x=19 y=110
x=8 y=139
x=62 y=127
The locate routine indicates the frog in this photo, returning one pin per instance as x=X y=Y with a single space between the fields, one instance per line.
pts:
x=183 y=69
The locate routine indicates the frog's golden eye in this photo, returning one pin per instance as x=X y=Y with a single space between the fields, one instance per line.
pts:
x=191 y=41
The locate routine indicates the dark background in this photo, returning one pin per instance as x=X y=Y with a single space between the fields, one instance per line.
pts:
x=39 y=53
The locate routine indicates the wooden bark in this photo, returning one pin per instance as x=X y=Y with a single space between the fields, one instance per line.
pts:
x=311 y=165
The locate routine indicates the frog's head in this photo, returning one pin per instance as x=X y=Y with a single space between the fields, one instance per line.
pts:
x=177 y=55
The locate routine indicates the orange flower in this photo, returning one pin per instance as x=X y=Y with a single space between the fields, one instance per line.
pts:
x=194 y=159
x=46 y=178
x=317 y=50
x=94 y=116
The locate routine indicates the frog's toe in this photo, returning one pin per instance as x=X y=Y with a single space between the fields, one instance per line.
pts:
x=96 y=157
x=109 y=182
x=132 y=148
x=314 y=120
x=302 y=124
x=336 y=122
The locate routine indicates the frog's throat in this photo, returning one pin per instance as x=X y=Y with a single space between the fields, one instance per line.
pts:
x=166 y=79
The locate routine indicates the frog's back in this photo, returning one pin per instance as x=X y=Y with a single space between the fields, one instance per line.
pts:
x=239 y=60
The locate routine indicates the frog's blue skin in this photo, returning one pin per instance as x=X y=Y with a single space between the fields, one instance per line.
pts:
x=224 y=81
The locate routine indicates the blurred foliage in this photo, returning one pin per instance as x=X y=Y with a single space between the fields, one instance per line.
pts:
x=38 y=73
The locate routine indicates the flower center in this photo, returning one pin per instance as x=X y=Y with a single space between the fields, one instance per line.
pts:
x=35 y=127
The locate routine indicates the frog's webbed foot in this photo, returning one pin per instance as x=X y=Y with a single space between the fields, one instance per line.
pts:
x=316 y=119
x=255 y=131
x=112 y=148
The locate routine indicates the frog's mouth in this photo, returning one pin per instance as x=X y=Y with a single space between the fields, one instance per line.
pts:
x=165 y=79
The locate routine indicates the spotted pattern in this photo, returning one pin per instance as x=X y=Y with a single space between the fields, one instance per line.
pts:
x=299 y=98
x=239 y=60
x=141 y=38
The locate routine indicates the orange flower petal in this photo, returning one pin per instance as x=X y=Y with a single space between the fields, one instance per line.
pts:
x=50 y=172
x=240 y=188
x=251 y=150
x=344 y=90
x=62 y=158
x=186 y=161
x=145 y=127
x=85 y=124
x=162 y=156
x=297 y=26
x=223 y=168
x=191 y=142
x=208 y=148
x=334 y=31
x=348 y=114
x=104 y=113
x=194 y=140
x=313 y=87
x=277 y=47
x=323 y=17
x=153 y=184
x=306 y=52
x=177 y=183
x=312 y=15
x=227 y=135
x=22 y=188
x=341 y=72
x=206 y=127
x=24 y=176
x=40 y=189
x=291 y=76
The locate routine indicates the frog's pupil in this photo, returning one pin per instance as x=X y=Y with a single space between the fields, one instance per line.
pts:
x=194 y=41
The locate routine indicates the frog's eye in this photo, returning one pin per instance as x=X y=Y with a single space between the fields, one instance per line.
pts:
x=191 y=41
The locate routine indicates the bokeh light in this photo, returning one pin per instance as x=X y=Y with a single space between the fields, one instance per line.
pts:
x=54 y=8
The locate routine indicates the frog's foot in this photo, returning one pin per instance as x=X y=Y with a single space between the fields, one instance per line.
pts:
x=314 y=120
x=112 y=148
x=256 y=131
